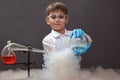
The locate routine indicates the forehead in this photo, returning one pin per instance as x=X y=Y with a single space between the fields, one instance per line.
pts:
x=57 y=12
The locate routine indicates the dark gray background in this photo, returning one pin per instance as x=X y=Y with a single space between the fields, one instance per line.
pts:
x=23 y=22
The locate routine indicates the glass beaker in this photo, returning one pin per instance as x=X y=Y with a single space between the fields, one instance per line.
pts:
x=81 y=42
x=9 y=59
x=8 y=56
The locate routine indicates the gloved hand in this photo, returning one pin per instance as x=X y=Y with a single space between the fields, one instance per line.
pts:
x=80 y=50
x=77 y=33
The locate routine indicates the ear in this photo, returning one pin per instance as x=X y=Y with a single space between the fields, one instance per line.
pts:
x=66 y=19
x=47 y=20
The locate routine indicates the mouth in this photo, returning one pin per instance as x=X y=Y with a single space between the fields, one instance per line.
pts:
x=57 y=24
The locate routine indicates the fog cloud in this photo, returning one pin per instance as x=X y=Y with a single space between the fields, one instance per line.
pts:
x=61 y=66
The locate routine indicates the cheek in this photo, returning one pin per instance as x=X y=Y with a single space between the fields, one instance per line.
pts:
x=48 y=20
x=51 y=21
x=64 y=21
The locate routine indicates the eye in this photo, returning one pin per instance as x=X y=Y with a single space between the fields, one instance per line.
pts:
x=53 y=17
x=57 y=16
x=61 y=16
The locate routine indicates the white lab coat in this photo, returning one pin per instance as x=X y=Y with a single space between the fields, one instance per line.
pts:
x=56 y=41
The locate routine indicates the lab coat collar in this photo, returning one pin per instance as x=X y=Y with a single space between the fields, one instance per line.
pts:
x=57 y=34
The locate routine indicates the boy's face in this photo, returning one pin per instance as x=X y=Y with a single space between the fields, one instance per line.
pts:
x=57 y=20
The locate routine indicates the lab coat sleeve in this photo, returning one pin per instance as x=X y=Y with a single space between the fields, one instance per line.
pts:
x=48 y=46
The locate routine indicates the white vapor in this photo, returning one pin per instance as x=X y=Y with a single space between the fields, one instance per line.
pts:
x=61 y=66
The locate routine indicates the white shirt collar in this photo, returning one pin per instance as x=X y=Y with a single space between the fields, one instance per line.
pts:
x=57 y=34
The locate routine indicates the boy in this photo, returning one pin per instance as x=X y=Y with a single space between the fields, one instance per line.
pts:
x=59 y=38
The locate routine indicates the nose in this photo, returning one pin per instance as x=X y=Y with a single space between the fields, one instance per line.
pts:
x=57 y=19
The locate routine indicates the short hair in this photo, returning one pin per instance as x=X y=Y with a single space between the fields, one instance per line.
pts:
x=56 y=6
